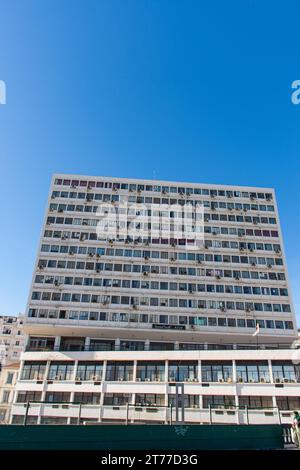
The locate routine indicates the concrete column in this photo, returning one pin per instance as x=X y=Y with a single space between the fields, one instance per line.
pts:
x=147 y=345
x=104 y=372
x=26 y=341
x=234 y=375
x=167 y=371
x=117 y=344
x=87 y=343
x=134 y=370
x=199 y=371
x=201 y=402
x=270 y=371
x=44 y=390
x=75 y=371
x=57 y=343
x=176 y=346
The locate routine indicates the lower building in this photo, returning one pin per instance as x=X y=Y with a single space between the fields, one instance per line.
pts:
x=12 y=339
x=8 y=380
x=219 y=386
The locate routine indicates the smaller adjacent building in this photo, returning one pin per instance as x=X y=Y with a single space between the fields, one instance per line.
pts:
x=8 y=380
x=12 y=339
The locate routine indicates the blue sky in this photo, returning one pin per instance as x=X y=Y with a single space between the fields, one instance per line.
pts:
x=184 y=90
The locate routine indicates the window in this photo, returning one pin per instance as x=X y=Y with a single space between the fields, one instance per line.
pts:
x=9 y=378
x=255 y=402
x=218 y=401
x=5 y=396
x=150 y=371
x=119 y=371
x=216 y=372
x=87 y=398
x=256 y=372
x=89 y=371
x=33 y=371
x=180 y=372
x=61 y=371
x=29 y=396
x=57 y=397
x=149 y=399
x=117 y=399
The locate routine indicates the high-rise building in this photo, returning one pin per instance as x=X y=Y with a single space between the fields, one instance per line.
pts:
x=140 y=285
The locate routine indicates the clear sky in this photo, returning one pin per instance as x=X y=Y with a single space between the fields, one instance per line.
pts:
x=183 y=90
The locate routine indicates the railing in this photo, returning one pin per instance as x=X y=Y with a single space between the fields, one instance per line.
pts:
x=143 y=347
x=78 y=413
x=287 y=434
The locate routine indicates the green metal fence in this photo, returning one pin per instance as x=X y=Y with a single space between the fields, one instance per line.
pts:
x=141 y=437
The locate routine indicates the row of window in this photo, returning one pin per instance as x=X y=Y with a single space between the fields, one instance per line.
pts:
x=151 y=399
x=76 y=183
x=165 y=270
x=158 y=320
x=156 y=285
x=165 y=209
x=155 y=371
x=139 y=268
x=101 y=251
x=83 y=236
x=135 y=301
x=134 y=202
x=154 y=229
